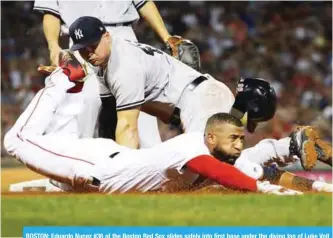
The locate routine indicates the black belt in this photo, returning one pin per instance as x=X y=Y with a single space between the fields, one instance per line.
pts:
x=129 y=23
x=195 y=83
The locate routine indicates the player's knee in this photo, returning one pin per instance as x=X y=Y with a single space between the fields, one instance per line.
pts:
x=10 y=142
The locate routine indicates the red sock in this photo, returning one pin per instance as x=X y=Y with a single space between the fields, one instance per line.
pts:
x=78 y=85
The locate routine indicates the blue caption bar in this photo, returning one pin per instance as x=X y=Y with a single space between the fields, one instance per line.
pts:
x=176 y=232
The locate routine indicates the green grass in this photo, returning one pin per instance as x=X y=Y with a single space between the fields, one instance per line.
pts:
x=164 y=210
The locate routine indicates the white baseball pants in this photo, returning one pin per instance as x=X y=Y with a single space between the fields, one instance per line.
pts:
x=61 y=157
x=267 y=152
x=197 y=105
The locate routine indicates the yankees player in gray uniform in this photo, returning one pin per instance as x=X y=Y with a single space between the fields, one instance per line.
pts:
x=118 y=18
x=137 y=74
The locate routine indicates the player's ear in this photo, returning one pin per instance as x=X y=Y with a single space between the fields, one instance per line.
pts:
x=211 y=138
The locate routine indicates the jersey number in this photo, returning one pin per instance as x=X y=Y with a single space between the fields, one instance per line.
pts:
x=147 y=49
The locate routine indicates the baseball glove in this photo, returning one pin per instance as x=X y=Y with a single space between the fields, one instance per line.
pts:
x=185 y=51
x=46 y=69
x=172 y=45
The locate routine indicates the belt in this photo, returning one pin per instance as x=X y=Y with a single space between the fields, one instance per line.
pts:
x=129 y=23
x=175 y=117
x=195 y=83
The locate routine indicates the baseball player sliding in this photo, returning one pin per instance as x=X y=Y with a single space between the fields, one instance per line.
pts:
x=102 y=165
x=118 y=18
x=139 y=76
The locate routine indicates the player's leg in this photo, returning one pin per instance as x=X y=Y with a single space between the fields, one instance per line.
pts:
x=273 y=153
x=49 y=156
x=292 y=181
x=37 y=116
x=64 y=159
x=280 y=177
x=197 y=105
x=26 y=142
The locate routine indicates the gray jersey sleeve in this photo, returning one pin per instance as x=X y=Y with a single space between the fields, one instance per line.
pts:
x=128 y=86
x=50 y=6
x=104 y=91
x=138 y=4
x=104 y=87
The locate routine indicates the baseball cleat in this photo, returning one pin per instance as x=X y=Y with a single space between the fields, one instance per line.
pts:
x=303 y=145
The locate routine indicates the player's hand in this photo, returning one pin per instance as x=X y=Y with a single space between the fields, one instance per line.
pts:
x=54 y=54
x=268 y=188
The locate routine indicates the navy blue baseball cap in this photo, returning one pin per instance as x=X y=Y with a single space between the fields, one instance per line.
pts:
x=86 y=31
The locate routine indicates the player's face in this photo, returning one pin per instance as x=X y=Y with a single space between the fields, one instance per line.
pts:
x=227 y=142
x=97 y=54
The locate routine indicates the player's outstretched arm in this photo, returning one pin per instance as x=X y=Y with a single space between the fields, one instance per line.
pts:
x=127 y=127
x=51 y=26
x=229 y=176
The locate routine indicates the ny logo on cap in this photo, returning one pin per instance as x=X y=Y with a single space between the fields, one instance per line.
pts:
x=78 y=34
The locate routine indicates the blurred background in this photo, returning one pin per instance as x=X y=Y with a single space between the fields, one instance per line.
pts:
x=286 y=43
